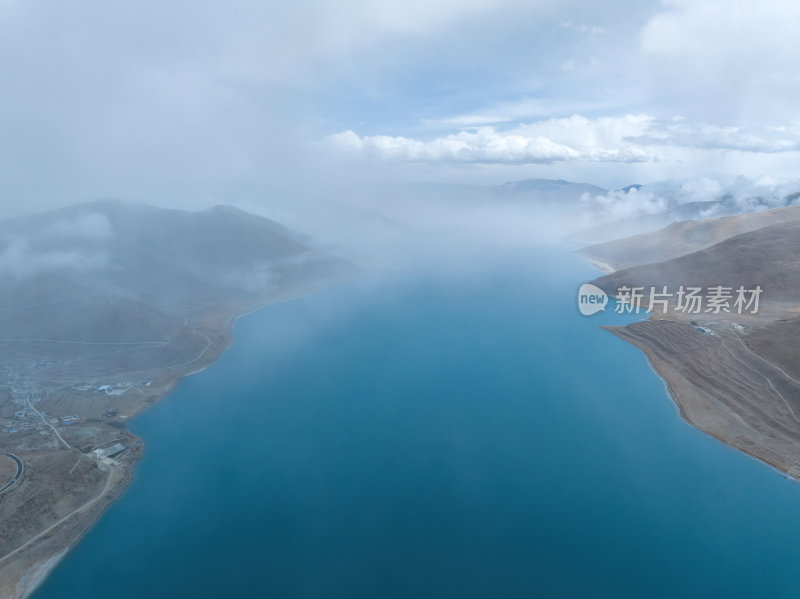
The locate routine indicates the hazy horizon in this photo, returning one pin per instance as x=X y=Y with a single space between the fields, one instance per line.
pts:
x=298 y=110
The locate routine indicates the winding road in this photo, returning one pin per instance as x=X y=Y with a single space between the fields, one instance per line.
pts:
x=775 y=366
x=17 y=476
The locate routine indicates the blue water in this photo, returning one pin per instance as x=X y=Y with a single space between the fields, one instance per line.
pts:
x=436 y=436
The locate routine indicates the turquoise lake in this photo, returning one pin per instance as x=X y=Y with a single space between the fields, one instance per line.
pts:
x=436 y=435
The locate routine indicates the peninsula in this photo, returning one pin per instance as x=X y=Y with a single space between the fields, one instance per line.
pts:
x=735 y=376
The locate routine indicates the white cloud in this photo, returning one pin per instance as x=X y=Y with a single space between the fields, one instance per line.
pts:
x=483 y=145
x=554 y=140
x=192 y=102
x=630 y=138
x=722 y=197
x=76 y=244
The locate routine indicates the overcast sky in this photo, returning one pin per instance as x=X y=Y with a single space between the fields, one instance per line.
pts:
x=198 y=102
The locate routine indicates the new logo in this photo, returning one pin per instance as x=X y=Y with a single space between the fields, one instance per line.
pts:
x=591 y=299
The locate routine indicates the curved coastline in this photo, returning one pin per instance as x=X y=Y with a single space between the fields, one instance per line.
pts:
x=27 y=567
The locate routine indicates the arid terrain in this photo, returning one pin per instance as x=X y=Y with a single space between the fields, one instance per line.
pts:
x=683 y=237
x=735 y=376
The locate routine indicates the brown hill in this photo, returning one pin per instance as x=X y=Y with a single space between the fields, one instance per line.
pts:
x=682 y=238
x=768 y=256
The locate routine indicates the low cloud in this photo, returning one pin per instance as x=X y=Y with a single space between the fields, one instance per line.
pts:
x=65 y=245
x=708 y=197
x=18 y=260
x=93 y=227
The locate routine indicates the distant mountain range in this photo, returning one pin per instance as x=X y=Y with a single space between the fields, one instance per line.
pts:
x=547 y=190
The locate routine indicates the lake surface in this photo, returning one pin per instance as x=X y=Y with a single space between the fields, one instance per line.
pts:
x=436 y=436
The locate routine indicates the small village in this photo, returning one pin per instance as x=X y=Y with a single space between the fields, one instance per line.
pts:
x=27 y=394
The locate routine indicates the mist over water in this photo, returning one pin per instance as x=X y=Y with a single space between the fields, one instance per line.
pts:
x=444 y=423
x=436 y=432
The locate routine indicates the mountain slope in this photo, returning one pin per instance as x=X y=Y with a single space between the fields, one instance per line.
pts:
x=681 y=238
x=767 y=257
x=123 y=271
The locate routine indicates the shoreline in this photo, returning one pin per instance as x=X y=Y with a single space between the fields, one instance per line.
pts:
x=33 y=576
x=712 y=416
x=684 y=418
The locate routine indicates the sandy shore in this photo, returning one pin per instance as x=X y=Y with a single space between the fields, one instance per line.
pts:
x=35 y=576
x=600 y=265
